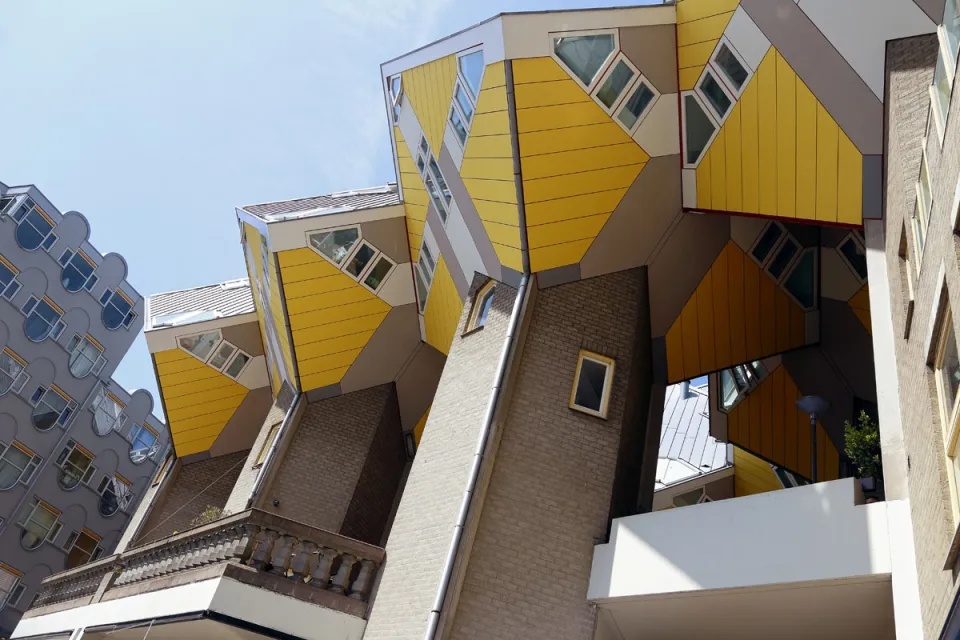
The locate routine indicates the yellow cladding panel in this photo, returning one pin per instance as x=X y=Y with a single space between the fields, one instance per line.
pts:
x=414 y=195
x=488 y=169
x=725 y=320
x=442 y=313
x=780 y=153
x=418 y=429
x=700 y=23
x=429 y=88
x=576 y=162
x=198 y=398
x=332 y=317
x=768 y=423
x=860 y=303
x=752 y=475
x=252 y=251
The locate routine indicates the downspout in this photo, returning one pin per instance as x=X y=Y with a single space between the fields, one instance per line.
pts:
x=519 y=304
x=268 y=461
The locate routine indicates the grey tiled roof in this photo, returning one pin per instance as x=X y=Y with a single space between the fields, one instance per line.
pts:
x=229 y=298
x=687 y=450
x=369 y=198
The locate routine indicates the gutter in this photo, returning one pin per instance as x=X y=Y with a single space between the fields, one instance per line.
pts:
x=506 y=357
x=271 y=454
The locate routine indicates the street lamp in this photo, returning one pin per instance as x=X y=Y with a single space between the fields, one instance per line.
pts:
x=813 y=406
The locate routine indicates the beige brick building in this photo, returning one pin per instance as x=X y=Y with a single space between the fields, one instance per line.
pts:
x=652 y=337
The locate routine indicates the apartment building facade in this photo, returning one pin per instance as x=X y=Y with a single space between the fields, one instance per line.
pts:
x=585 y=370
x=77 y=450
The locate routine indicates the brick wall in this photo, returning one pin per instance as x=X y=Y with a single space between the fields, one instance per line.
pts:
x=549 y=495
x=377 y=486
x=193 y=488
x=910 y=65
x=423 y=527
x=248 y=474
x=316 y=479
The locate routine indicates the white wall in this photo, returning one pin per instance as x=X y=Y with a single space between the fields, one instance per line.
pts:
x=810 y=533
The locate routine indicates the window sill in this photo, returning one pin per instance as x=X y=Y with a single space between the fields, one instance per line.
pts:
x=953 y=551
x=908 y=320
x=472 y=331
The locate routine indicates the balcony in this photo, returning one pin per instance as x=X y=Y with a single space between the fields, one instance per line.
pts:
x=813 y=559
x=250 y=570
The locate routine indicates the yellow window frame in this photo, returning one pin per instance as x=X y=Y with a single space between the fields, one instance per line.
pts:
x=610 y=364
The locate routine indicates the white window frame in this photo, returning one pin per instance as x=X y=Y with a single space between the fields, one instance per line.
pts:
x=627 y=94
x=773 y=250
x=816 y=277
x=349 y=254
x=487 y=291
x=56 y=328
x=708 y=111
x=14 y=286
x=26 y=473
x=396 y=101
x=948 y=415
x=87 y=474
x=12 y=597
x=123 y=501
x=721 y=75
x=377 y=258
x=950 y=68
x=235 y=355
x=788 y=238
x=91 y=280
x=70 y=409
x=128 y=318
x=605 y=73
x=22 y=377
x=11 y=205
x=587 y=32
x=97 y=365
x=54 y=530
x=856 y=239
x=705 y=100
x=463 y=79
x=121 y=419
x=44 y=244
x=366 y=267
x=216 y=345
x=610 y=366
x=425 y=155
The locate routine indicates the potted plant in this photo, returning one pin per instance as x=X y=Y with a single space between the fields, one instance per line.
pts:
x=862 y=446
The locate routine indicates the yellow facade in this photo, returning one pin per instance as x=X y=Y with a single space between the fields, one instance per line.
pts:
x=737 y=314
x=577 y=163
x=430 y=90
x=860 y=303
x=331 y=316
x=700 y=23
x=781 y=154
x=199 y=400
x=752 y=475
x=442 y=313
x=487 y=168
x=767 y=422
x=415 y=197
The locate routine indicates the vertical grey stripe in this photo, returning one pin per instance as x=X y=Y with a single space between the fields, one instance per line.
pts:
x=872 y=187
x=491 y=262
x=446 y=250
x=826 y=73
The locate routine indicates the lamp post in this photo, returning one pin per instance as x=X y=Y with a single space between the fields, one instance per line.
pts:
x=813 y=406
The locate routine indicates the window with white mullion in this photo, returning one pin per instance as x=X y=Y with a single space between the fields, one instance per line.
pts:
x=615 y=83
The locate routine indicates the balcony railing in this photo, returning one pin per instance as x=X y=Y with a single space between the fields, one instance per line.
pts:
x=288 y=556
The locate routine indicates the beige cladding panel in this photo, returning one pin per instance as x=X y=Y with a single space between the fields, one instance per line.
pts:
x=387 y=350
x=241 y=430
x=653 y=51
x=245 y=336
x=389 y=236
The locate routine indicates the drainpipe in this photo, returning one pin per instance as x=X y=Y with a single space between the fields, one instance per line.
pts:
x=268 y=461
x=506 y=353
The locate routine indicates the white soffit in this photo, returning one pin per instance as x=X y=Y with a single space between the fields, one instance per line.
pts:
x=292 y=234
x=166 y=338
x=526 y=35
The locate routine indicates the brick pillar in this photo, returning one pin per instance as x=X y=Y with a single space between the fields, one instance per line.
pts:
x=424 y=525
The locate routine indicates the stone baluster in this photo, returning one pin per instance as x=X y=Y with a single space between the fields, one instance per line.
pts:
x=361 y=586
x=262 y=548
x=281 y=556
x=341 y=582
x=301 y=560
x=245 y=544
x=320 y=576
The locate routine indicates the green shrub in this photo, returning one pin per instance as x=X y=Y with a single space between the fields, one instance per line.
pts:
x=862 y=446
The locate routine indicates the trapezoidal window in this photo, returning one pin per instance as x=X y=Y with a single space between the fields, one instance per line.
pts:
x=635 y=107
x=801 y=281
x=615 y=82
x=730 y=65
x=591 y=384
x=335 y=245
x=584 y=55
x=855 y=255
x=481 y=306
x=698 y=129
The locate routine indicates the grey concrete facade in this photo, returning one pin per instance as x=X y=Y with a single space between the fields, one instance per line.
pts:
x=37 y=422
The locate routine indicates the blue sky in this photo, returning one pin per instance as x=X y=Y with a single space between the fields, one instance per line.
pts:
x=155 y=119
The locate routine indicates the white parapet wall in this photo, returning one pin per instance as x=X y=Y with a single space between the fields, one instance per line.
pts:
x=806 y=534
